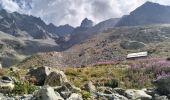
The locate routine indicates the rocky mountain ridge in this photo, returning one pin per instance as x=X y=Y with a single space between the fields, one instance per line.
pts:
x=147 y=14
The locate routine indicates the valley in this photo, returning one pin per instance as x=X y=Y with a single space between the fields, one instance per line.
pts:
x=43 y=61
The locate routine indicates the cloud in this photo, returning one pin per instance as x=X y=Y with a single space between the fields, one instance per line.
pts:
x=9 y=5
x=73 y=12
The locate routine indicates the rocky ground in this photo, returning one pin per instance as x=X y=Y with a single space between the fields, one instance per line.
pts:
x=45 y=83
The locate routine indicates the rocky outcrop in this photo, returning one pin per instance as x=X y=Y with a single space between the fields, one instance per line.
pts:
x=86 y=23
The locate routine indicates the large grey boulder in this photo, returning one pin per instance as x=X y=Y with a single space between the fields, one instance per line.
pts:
x=47 y=93
x=39 y=74
x=47 y=76
x=56 y=78
x=163 y=85
x=137 y=95
x=132 y=45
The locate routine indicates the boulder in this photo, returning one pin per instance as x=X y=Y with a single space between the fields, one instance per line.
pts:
x=2 y=97
x=161 y=98
x=6 y=84
x=39 y=74
x=90 y=87
x=56 y=78
x=47 y=93
x=113 y=96
x=66 y=89
x=46 y=76
x=75 y=96
x=163 y=85
x=132 y=45
x=137 y=95
x=119 y=91
x=105 y=90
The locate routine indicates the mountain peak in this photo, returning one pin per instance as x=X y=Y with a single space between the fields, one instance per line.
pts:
x=86 y=23
x=147 y=14
x=150 y=4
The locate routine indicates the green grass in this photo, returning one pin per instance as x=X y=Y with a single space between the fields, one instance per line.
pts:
x=110 y=75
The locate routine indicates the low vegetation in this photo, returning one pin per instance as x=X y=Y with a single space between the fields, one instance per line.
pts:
x=24 y=87
x=127 y=74
x=21 y=86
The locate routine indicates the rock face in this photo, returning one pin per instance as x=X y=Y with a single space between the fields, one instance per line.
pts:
x=163 y=85
x=6 y=84
x=86 y=23
x=47 y=93
x=148 y=13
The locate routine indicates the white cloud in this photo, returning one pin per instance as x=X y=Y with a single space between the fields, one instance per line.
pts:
x=73 y=12
x=9 y=5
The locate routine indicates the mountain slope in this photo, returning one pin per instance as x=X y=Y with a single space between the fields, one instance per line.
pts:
x=148 y=13
x=109 y=46
x=61 y=31
x=80 y=34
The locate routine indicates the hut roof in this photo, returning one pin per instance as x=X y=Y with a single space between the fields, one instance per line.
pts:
x=137 y=55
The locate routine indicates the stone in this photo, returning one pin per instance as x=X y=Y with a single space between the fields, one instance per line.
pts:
x=14 y=69
x=132 y=45
x=47 y=76
x=39 y=74
x=1 y=96
x=163 y=85
x=106 y=90
x=137 y=94
x=90 y=87
x=66 y=89
x=113 y=96
x=119 y=91
x=75 y=96
x=71 y=87
x=47 y=93
x=56 y=78
x=6 y=84
x=65 y=94
x=161 y=98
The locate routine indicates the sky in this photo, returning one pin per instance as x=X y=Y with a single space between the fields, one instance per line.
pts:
x=60 y=12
